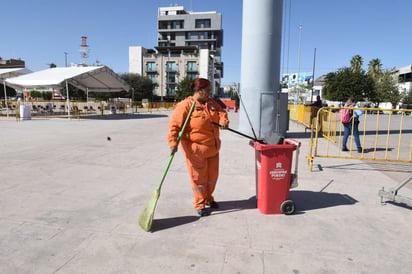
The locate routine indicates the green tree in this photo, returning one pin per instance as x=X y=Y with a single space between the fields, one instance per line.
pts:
x=141 y=87
x=375 y=68
x=44 y=95
x=407 y=99
x=356 y=63
x=387 y=89
x=345 y=83
x=36 y=94
x=183 y=89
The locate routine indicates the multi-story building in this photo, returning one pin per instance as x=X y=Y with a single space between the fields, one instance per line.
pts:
x=12 y=63
x=189 y=45
x=404 y=77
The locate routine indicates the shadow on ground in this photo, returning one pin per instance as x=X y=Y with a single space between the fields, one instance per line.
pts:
x=310 y=200
x=105 y=117
x=304 y=200
x=125 y=116
x=224 y=207
x=298 y=135
x=377 y=166
x=166 y=223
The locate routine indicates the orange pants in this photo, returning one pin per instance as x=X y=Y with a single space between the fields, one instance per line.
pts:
x=203 y=165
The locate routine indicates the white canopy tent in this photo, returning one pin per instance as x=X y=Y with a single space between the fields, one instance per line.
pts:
x=12 y=72
x=89 y=79
x=7 y=73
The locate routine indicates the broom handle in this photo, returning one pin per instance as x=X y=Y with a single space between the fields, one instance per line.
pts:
x=240 y=133
x=178 y=140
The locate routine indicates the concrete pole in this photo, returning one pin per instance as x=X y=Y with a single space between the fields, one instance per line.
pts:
x=260 y=66
x=5 y=99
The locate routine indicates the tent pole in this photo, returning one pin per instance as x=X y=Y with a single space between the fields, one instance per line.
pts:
x=5 y=99
x=68 y=100
x=87 y=98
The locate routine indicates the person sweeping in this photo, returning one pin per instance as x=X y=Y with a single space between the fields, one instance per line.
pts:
x=200 y=142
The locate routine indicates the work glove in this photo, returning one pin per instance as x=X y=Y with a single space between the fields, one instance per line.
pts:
x=173 y=149
x=224 y=126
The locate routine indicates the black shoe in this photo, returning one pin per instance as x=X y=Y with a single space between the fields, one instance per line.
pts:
x=202 y=212
x=212 y=205
x=345 y=149
x=360 y=150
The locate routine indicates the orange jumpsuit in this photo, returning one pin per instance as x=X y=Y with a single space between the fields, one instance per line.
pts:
x=200 y=143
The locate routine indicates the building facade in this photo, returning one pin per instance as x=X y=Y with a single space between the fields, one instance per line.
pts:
x=189 y=45
x=404 y=78
x=12 y=63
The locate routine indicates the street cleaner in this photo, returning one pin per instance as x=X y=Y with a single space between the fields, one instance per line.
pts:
x=200 y=142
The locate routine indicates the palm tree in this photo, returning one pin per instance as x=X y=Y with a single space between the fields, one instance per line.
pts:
x=356 y=63
x=375 y=68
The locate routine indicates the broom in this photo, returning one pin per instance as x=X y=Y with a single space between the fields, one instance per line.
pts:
x=146 y=216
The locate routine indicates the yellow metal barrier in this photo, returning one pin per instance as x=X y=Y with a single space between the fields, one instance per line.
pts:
x=302 y=114
x=385 y=135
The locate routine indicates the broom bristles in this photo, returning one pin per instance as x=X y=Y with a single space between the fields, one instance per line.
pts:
x=146 y=217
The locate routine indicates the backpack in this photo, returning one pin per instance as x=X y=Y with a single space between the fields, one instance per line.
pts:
x=344 y=115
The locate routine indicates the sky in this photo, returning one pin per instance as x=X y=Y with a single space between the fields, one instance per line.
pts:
x=41 y=32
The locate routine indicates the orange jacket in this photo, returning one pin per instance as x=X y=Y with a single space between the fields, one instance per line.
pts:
x=200 y=128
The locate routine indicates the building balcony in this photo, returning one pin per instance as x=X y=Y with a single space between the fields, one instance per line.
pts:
x=191 y=70
x=151 y=71
x=171 y=70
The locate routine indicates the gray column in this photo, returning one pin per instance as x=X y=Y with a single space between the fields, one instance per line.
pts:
x=260 y=68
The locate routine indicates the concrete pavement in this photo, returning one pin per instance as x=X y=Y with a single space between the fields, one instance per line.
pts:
x=69 y=202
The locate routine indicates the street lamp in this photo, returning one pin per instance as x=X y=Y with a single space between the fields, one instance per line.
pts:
x=65 y=59
x=167 y=68
x=299 y=50
x=212 y=76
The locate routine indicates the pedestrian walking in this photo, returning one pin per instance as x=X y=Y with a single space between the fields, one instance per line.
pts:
x=351 y=124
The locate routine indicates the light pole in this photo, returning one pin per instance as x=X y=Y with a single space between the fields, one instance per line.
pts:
x=299 y=50
x=167 y=69
x=313 y=75
x=65 y=59
x=212 y=74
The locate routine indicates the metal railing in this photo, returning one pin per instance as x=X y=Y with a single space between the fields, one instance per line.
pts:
x=385 y=135
x=50 y=108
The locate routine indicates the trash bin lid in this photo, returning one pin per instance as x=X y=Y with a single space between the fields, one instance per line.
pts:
x=262 y=147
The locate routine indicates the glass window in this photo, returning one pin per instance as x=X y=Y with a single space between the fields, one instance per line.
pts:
x=191 y=66
x=151 y=66
x=178 y=24
x=202 y=23
x=171 y=66
x=191 y=76
x=152 y=77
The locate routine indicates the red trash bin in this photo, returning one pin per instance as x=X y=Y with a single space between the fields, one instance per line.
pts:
x=273 y=176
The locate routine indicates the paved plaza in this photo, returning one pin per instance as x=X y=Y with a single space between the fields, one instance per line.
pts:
x=70 y=199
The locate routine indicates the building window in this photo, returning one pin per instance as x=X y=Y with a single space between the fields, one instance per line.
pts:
x=191 y=75
x=191 y=66
x=152 y=78
x=171 y=66
x=198 y=35
x=178 y=24
x=163 y=24
x=406 y=77
x=200 y=45
x=171 y=78
x=202 y=23
x=150 y=66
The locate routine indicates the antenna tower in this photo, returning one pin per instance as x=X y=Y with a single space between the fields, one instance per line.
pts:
x=84 y=50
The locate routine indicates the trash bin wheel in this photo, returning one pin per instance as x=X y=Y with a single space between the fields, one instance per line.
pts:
x=287 y=207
